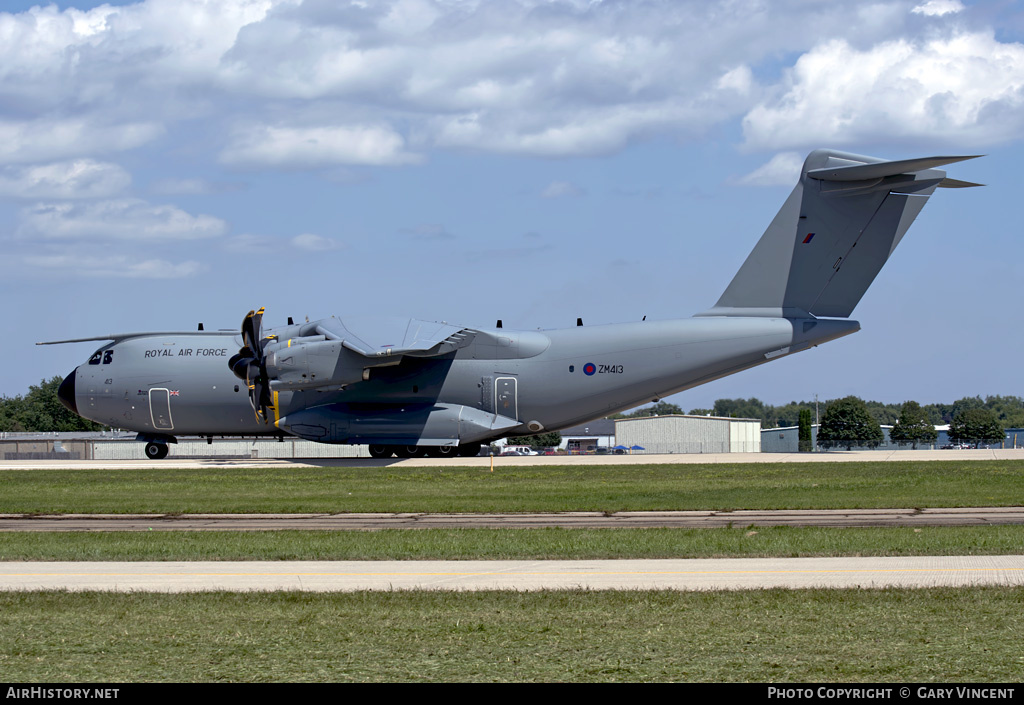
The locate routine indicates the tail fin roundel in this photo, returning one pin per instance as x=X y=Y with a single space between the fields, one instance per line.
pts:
x=832 y=236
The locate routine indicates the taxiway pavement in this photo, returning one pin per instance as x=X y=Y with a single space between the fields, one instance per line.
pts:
x=687 y=574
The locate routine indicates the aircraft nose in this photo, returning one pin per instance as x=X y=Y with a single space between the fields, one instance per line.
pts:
x=66 y=391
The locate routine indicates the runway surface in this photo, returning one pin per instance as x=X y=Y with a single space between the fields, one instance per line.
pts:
x=960 y=516
x=535 y=460
x=689 y=574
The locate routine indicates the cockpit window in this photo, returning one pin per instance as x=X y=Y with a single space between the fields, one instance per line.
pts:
x=104 y=356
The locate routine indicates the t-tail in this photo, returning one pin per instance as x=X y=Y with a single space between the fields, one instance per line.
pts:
x=832 y=236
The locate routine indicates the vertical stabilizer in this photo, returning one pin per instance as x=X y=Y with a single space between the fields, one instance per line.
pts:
x=832 y=236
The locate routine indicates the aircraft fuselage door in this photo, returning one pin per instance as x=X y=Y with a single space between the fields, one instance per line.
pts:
x=160 y=409
x=506 y=397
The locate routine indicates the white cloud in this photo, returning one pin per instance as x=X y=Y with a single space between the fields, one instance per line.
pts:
x=561 y=189
x=47 y=139
x=118 y=219
x=782 y=170
x=191 y=187
x=313 y=147
x=248 y=244
x=319 y=84
x=314 y=243
x=117 y=266
x=939 y=8
x=967 y=88
x=82 y=178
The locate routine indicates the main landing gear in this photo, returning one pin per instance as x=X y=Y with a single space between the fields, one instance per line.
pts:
x=466 y=450
x=156 y=451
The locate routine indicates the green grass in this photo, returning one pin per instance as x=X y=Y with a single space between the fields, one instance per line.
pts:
x=516 y=489
x=943 y=635
x=509 y=544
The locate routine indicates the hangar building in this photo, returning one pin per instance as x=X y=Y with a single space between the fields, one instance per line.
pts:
x=690 y=434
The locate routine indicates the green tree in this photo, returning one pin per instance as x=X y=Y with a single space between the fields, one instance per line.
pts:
x=976 y=426
x=662 y=408
x=885 y=414
x=41 y=410
x=847 y=422
x=789 y=414
x=913 y=426
x=1009 y=410
x=538 y=441
x=11 y=413
x=806 y=443
x=752 y=408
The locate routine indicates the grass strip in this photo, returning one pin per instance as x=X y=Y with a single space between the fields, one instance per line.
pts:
x=516 y=489
x=509 y=544
x=938 y=634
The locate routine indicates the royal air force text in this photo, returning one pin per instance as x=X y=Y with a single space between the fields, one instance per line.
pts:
x=189 y=352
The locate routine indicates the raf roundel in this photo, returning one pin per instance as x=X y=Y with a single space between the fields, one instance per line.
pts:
x=589 y=368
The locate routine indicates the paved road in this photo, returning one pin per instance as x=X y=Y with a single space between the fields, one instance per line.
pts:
x=690 y=574
x=962 y=516
x=831 y=457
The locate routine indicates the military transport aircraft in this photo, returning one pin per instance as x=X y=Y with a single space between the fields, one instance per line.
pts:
x=407 y=387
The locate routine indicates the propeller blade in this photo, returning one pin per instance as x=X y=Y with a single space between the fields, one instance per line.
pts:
x=247 y=329
x=250 y=363
x=257 y=332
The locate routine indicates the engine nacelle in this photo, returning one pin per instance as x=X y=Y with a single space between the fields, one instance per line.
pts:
x=312 y=363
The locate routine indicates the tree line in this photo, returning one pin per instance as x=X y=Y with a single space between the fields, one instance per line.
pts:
x=41 y=410
x=851 y=421
x=1007 y=410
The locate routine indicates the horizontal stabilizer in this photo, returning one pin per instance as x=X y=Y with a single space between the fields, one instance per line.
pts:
x=956 y=183
x=879 y=170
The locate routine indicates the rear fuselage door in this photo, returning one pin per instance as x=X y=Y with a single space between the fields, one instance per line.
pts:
x=506 y=397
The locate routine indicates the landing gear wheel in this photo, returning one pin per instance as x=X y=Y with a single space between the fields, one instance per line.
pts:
x=443 y=451
x=410 y=452
x=469 y=450
x=156 y=451
x=378 y=451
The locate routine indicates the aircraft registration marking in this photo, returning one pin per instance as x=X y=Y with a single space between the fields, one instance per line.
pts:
x=590 y=369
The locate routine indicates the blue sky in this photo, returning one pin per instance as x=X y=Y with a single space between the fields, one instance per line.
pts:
x=173 y=161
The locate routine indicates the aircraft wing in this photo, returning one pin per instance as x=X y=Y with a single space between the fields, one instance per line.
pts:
x=391 y=337
x=336 y=352
x=118 y=337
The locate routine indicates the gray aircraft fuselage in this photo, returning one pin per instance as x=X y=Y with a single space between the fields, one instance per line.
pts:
x=407 y=384
x=181 y=384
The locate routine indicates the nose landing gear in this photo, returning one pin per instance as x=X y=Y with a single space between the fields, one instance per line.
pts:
x=156 y=451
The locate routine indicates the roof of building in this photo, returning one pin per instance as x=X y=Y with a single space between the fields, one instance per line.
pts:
x=597 y=427
x=687 y=416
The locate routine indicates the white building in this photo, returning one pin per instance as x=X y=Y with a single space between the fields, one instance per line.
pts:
x=690 y=434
